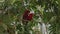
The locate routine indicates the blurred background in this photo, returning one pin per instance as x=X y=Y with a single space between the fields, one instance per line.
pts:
x=29 y=16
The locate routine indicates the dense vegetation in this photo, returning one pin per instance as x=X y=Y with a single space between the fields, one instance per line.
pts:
x=11 y=15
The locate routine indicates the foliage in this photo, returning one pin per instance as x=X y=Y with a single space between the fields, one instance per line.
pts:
x=12 y=11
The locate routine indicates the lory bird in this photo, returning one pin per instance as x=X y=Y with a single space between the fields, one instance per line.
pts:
x=27 y=16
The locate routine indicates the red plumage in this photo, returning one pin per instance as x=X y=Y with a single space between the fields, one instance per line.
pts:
x=30 y=16
x=27 y=15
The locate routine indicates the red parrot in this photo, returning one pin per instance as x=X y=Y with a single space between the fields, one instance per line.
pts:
x=28 y=15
